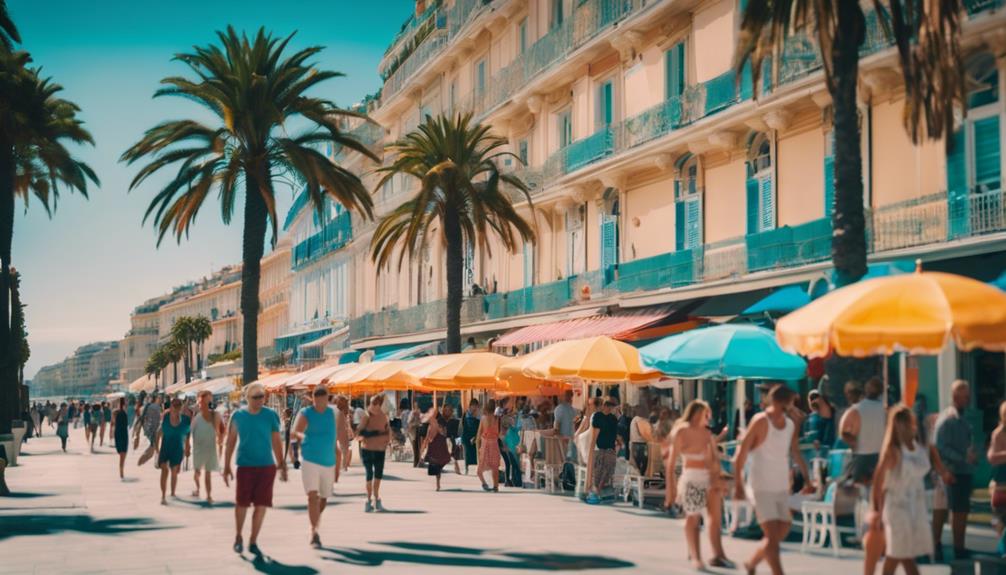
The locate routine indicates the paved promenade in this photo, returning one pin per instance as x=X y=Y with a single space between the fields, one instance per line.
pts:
x=72 y=514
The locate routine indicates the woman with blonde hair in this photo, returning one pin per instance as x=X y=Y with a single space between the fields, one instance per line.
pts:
x=487 y=444
x=899 y=493
x=697 y=490
x=997 y=487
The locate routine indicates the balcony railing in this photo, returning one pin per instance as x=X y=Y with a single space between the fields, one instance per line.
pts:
x=429 y=48
x=333 y=236
x=789 y=246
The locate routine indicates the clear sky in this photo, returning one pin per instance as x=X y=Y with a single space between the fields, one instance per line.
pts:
x=85 y=270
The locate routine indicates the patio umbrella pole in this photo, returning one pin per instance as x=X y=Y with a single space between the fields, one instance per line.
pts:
x=742 y=391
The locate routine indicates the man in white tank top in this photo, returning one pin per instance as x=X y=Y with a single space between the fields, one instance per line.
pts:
x=770 y=441
x=862 y=428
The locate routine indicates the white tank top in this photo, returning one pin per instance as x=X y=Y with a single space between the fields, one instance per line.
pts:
x=203 y=434
x=872 y=422
x=769 y=471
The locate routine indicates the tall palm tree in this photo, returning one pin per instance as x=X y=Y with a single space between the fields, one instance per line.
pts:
x=183 y=332
x=155 y=364
x=174 y=352
x=202 y=329
x=253 y=90
x=926 y=35
x=461 y=194
x=36 y=128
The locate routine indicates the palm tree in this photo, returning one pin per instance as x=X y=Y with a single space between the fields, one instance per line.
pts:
x=460 y=194
x=930 y=58
x=253 y=90
x=8 y=31
x=36 y=128
x=929 y=53
x=174 y=351
x=155 y=364
x=183 y=332
x=202 y=329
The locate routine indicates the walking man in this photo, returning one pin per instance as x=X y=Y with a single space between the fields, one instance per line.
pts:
x=601 y=464
x=254 y=430
x=315 y=429
x=954 y=438
x=862 y=428
x=770 y=440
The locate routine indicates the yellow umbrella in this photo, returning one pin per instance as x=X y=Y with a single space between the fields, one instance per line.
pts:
x=918 y=313
x=595 y=358
x=374 y=376
x=513 y=380
x=474 y=370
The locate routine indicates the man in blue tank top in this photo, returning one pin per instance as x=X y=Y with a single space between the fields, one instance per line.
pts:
x=316 y=430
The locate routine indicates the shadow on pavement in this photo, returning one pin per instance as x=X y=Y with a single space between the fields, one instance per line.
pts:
x=27 y=495
x=25 y=525
x=202 y=504
x=266 y=564
x=471 y=558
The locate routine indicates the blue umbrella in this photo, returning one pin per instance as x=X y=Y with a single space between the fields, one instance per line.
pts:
x=725 y=352
x=783 y=300
x=1000 y=282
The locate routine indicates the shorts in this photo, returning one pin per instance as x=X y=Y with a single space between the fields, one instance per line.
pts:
x=693 y=490
x=254 y=486
x=939 y=493
x=373 y=463
x=317 y=478
x=604 y=467
x=771 y=506
x=959 y=494
x=861 y=467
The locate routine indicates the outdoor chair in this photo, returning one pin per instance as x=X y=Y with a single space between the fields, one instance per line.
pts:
x=635 y=483
x=549 y=469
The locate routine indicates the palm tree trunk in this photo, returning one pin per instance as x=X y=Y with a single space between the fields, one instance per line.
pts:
x=8 y=379
x=254 y=245
x=455 y=269
x=848 y=247
x=848 y=243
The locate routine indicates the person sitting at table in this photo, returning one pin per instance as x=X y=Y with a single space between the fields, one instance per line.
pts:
x=640 y=435
x=821 y=422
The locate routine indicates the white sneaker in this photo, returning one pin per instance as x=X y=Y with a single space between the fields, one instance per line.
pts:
x=378 y=505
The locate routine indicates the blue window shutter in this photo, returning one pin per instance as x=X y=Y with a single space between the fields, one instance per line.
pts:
x=609 y=256
x=829 y=181
x=988 y=162
x=609 y=103
x=957 y=187
x=679 y=226
x=752 y=205
x=675 y=70
x=767 y=203
x=693 y=222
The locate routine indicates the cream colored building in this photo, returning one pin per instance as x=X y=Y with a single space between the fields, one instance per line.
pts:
x=658 y=178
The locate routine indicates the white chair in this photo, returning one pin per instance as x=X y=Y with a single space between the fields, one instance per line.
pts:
x=581 y=480
x=548 y=471
x=737 y=514
x=820 y=526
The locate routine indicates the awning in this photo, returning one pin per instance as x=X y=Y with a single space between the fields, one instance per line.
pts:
x=326 y=339
x=410 y=352
x=783 y=300
x=728 y=306
x=619 y=325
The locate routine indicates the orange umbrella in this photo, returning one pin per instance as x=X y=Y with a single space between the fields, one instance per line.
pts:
x=513 y=379
x=598 y=358
x=456 y=371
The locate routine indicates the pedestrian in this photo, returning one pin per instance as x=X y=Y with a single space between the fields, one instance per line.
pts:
x=74 y=414
x=771 y=440
x=150 y=422
x=207 y=433
x=640 y=436
x=291 y=447
x=86 y=410
x=315 y=429
x=997 y=486
x=697 y=490
x=36 y=418
x=344 y=433
x=510 y=431
x=452 y=428
x=254 y=431
x=173 y=446
x=438 y=453
x=375 y=433
x=954 y=440
x=120 y=431
x=821 y=422
x=63 y=425
x=412 y=432
x=97 y=419
x=862 y=429
x=469 y=434
x=899 y=494
x=106 y=422
x=605 y=442
x=487 y=442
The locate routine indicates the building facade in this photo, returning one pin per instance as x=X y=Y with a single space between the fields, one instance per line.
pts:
x=89 y=371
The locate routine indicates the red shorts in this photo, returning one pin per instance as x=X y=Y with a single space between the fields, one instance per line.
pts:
x=255 y=486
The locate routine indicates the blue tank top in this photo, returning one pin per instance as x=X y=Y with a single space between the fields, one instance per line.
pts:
x=319 y=437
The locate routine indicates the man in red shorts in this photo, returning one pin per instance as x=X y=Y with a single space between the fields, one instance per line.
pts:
x=254 y=430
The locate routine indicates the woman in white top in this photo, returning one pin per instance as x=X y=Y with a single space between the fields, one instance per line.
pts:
x=696 y=491
x=899 y=494
x=640 y=435
x=207 y=433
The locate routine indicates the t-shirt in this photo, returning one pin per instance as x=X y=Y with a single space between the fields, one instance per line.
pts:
x=174 y=435
x=564 y=418
x=255 y=436
x=319 y=438
x=151 y=418
x=608 y=426
x=358 y=415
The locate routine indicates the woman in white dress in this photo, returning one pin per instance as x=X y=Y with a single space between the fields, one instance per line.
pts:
x=899 y=493
x=207 y=432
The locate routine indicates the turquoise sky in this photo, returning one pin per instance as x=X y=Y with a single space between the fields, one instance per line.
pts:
x=86 y=269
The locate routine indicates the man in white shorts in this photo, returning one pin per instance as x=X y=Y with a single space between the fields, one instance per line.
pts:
x=315 y=428
x=770 y=440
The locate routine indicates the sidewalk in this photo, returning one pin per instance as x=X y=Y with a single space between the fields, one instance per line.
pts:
x=72 y=514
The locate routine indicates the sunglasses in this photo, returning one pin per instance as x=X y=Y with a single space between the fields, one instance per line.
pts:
x=257 y=397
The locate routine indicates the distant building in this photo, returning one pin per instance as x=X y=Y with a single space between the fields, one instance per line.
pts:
x=87 y=372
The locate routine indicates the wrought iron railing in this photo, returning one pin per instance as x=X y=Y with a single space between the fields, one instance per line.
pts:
x=427 y=50
x=334 y=235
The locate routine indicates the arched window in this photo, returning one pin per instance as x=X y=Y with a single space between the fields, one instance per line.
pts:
x=760 y=186
x=687 y=204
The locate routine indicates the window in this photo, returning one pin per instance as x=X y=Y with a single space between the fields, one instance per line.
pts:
x=829 y=172
x=687 y=204
x=480 y=76
x=452 y=95
x=528 y=264
x=522 y=35
x=564 y=122
x=760 y=189
x=609 y=230
x=522 y=151
x=676 y=68
x=557 y=14
x=605 y=105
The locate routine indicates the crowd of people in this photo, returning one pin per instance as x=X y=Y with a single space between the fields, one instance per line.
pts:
x=894 y=455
